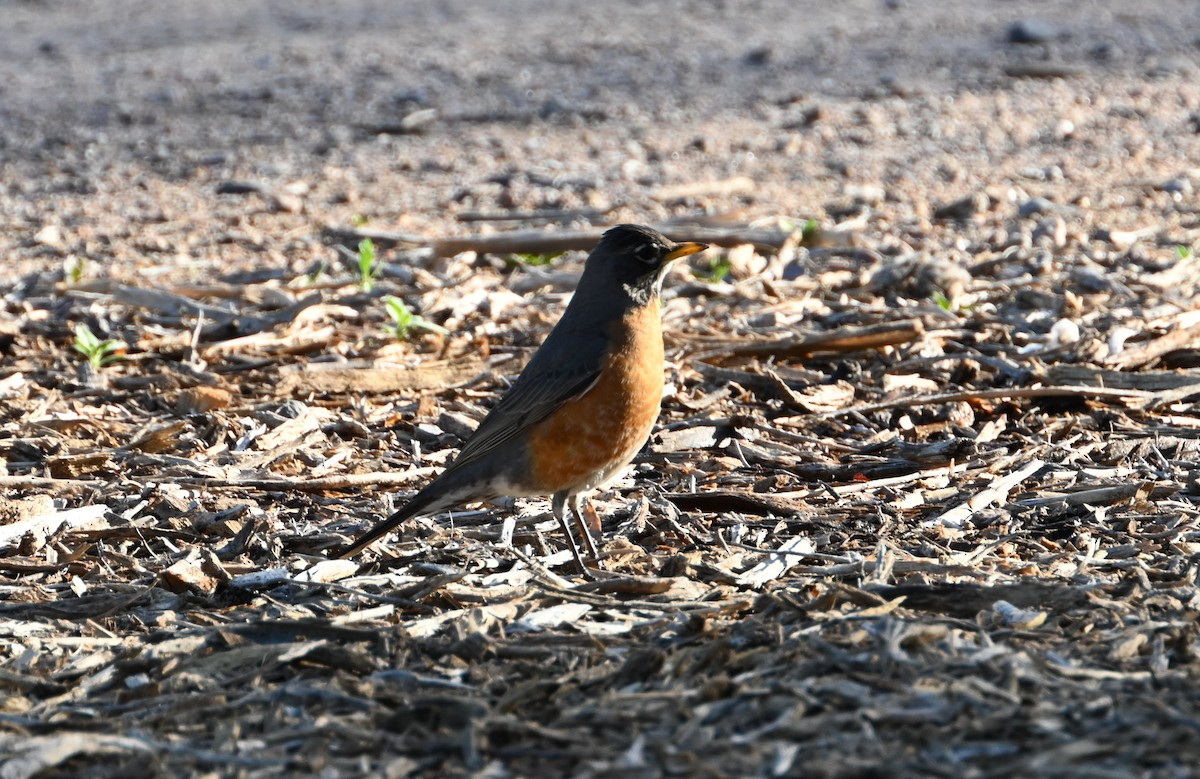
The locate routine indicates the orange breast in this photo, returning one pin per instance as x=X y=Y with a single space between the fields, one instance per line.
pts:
x=589 y=439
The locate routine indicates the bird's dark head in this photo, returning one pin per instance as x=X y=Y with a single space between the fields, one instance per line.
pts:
x=637 y=258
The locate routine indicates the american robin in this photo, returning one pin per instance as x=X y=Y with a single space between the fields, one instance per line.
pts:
x=585 y=403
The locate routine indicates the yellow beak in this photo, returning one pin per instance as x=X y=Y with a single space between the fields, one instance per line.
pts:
x=684 y=249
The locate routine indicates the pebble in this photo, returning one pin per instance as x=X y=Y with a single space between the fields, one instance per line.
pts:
x=1036 y=205
x=1040 y=263
x=1049 y=173
x=1122 y=240
x=1031 y=31
x=1063 y=333
x=418 y=121
x=801 y=117
x=758 y=56
x=50 y=236
x=865 y=193
x=1090 y=280
x=963 y=208
x=1054 y=229
x=1178 y=187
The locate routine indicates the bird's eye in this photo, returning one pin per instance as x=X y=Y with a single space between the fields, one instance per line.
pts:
x=647 y=253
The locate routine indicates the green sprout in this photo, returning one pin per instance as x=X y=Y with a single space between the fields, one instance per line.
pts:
x=98 y=353
x=358 y=220
x=534 y=260
x=404 y=321
x=948 y=305
x=366 y=265
x=74 y=266
x=808 y=230
x=1184 y=253
x=718 y=270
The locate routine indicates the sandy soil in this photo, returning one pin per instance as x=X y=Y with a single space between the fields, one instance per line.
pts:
x=149 y=104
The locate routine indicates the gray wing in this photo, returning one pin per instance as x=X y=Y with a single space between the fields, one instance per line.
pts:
x=563 y=369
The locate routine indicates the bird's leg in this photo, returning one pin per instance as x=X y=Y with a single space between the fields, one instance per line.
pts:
x=588 y=542
x=559 y=506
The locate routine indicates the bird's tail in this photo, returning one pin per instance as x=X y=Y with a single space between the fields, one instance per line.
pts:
x=476 y=478
x=422 y=503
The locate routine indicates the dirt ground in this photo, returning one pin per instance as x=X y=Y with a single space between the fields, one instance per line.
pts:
x=923 y=498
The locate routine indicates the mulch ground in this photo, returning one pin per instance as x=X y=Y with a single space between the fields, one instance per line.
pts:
x=923 y=499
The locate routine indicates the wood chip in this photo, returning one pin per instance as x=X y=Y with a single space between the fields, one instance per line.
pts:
x=777 y=563
x=333 y=381
x=995 y=492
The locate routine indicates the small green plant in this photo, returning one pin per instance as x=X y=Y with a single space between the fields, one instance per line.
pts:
x=1184 y=253
x=358 y=220
x=366 y=265
x=808 y=230
x=74 y=266
x=946 y=304
x=404 y=321
x=98 y=353
x=534 y=260
x=718 y=270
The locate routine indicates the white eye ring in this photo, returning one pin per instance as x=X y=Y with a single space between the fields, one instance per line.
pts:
x=647 y=253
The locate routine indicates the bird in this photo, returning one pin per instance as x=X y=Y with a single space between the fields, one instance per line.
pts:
x=583 y=406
